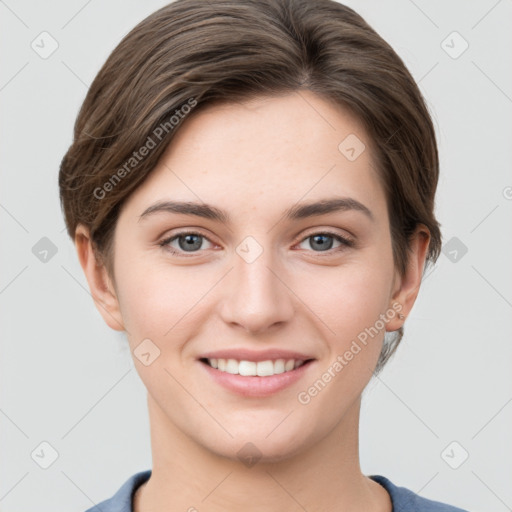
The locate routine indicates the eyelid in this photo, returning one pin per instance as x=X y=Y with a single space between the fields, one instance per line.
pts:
x=164 y=243
x=348 y=238
x=346 y=242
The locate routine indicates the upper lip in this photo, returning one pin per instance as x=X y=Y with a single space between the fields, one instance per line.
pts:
x=243 y=354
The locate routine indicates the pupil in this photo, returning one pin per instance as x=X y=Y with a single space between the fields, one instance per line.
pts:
x=322 y=245
x=192 y=242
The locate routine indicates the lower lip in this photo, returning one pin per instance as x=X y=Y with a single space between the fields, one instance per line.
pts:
x=254 y=385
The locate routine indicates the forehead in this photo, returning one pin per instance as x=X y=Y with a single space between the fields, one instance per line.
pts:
x=263 y=152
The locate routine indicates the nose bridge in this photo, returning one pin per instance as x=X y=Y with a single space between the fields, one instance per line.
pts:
x=257 y=298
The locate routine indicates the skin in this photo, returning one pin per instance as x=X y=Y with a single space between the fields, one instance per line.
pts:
x=255 y=159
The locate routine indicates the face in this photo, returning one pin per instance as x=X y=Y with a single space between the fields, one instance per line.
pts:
x=255 y=276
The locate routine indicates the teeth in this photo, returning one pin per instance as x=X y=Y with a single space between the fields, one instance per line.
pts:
x=232 y=366
x=247 y=368
x=279 y=366
x=252 y=368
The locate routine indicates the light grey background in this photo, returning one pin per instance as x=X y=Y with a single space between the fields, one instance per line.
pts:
x=67 y=379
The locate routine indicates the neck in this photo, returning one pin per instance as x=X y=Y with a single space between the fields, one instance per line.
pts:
x=325 y=476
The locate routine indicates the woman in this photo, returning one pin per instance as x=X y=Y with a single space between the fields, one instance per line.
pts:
x=251 y=191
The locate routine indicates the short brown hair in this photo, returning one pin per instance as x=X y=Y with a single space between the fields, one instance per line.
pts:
x=197 y=52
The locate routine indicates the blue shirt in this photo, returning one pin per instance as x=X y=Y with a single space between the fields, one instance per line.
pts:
x=403 y=499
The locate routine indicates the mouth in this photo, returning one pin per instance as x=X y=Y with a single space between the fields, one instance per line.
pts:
x=255 y=374
x=247 y=368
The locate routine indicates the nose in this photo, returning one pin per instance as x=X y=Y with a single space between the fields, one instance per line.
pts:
x=257 y=297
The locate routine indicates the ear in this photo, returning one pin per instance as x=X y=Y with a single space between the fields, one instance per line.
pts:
x=100 y=284
x=407 y=286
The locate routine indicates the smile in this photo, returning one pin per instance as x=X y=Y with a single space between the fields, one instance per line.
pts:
x=254 y=368
x=257 y=379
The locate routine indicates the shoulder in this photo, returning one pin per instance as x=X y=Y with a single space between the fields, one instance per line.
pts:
x=122 y=499
x=405 y=500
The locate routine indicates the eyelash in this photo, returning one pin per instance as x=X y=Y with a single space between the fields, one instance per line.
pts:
x=346 y=242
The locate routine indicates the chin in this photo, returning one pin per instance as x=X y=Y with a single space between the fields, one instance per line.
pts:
x=250 y=446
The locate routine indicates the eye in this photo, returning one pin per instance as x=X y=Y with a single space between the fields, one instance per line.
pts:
x=192 y=242
x=187 y=241
x=324 y=241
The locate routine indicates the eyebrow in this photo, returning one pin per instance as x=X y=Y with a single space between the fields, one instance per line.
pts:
x=296 y=212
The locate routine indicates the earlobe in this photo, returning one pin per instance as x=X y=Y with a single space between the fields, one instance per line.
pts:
x=409 y=284
x=100 y=283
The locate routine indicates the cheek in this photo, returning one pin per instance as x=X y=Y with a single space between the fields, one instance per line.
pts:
x=351 y=305
x=159 y=302
x=160 y=305
x=349 y=298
